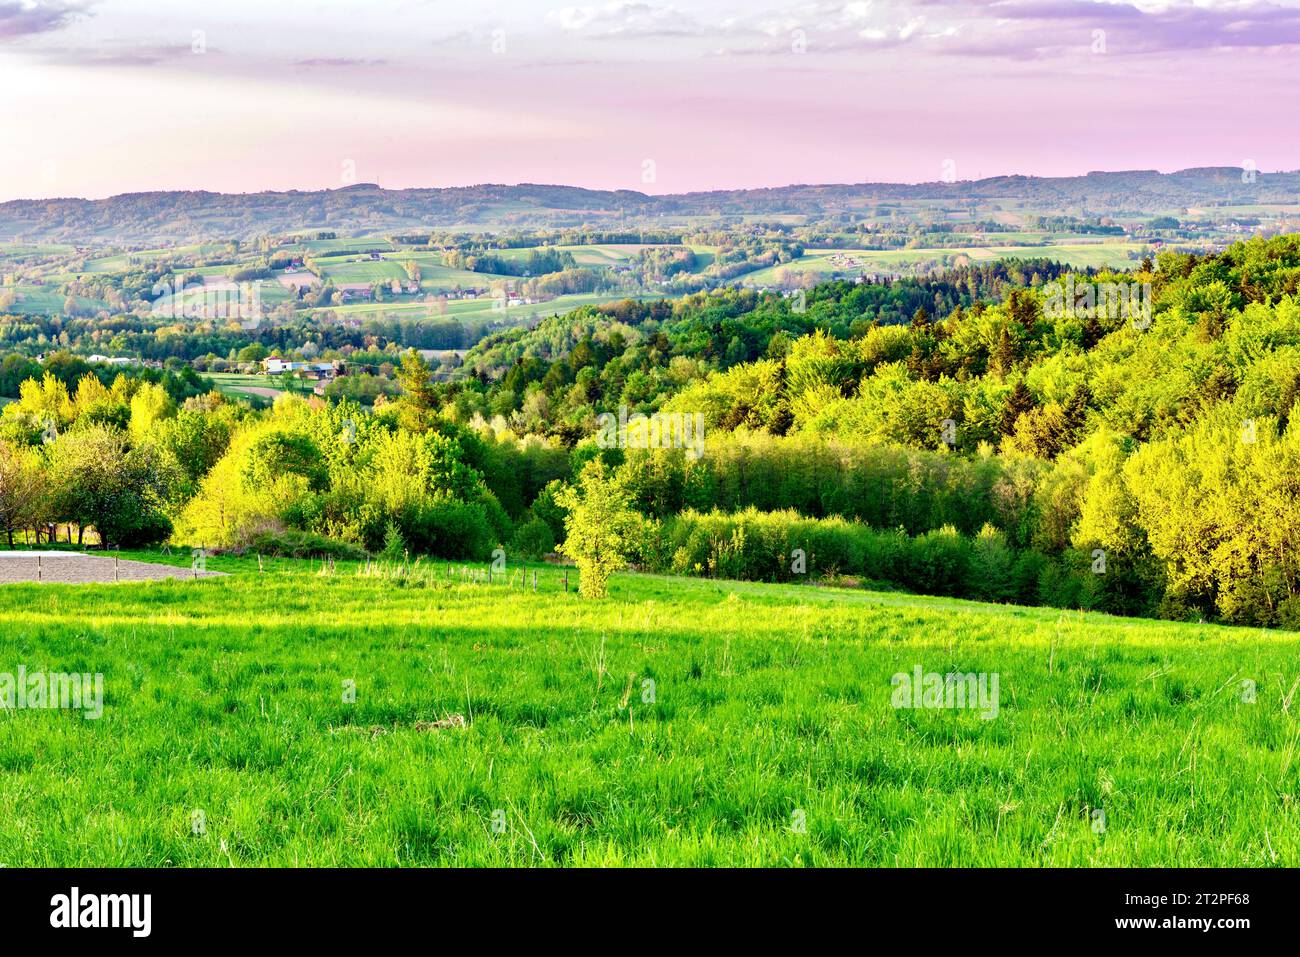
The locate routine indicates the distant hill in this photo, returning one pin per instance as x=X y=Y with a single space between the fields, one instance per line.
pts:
x=192 y=215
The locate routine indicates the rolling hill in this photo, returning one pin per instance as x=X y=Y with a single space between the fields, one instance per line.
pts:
x=173 y=216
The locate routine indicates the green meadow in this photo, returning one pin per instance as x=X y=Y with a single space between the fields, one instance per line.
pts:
x=238 y=385
x=484 y=309
x=818 y=262
x=45 y=300
x=348 y=270
x=680 y=722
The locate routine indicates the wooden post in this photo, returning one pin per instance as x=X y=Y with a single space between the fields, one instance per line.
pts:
x=534 y=580
x=40 y=570
x=116 y=575
x=566 y=581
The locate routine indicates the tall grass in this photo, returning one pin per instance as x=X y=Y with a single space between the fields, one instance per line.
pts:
x=684 y=721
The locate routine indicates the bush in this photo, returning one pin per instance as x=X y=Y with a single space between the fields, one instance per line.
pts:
x=293 y=543
x=940 y=563
x=394 y=545
x=760 y=546
x=451 y=530
x=533 y=539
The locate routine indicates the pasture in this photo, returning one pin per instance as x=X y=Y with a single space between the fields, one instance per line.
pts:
x=485 y=309
x=823 y=264
x=309 y=715
x=347 y=270
x=237 y=385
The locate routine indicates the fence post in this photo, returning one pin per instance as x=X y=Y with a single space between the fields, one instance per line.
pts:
x=534 y=579
x=566 y=581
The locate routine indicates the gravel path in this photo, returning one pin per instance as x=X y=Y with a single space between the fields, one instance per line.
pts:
x=73 y=568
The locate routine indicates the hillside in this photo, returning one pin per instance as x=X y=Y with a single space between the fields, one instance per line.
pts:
x=172 y=216
x=993 y=444
x=303 y=717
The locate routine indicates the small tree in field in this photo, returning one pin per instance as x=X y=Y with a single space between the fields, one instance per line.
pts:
x=599 y=527
x=21 y=490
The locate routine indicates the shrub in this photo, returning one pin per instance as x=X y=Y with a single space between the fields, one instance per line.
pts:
x=394 y=545
x=533 y=539
x=293 y=543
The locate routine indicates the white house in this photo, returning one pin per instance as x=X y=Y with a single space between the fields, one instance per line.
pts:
x=274 y=365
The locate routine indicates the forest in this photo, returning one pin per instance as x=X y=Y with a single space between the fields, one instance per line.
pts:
x=942 y=436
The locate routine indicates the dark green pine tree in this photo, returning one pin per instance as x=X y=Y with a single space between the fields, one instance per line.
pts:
x=1020 y=401
x=1005 y=354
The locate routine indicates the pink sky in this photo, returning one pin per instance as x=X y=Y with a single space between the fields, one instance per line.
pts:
x=122 y=95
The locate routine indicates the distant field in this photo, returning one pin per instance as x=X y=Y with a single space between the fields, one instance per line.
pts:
x=325 y=245
x=45 y=300
x=819 y=262
x=1244 y=210
x=14 y=250
x=307 y=718
x=609 y=255
x=347 y=270
x=485 y=308
x=235 y=385
x=222 y=298
x=437 y=277
x=122 y=262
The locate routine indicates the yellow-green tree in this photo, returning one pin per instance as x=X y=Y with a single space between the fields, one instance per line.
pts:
x=599 y=529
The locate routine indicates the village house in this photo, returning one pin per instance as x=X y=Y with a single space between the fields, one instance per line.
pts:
x=356 y=291
x=319 y=371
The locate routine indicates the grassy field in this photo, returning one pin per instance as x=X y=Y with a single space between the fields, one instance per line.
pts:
x=495 y=725
x=485 y=309
x=348 y=270
x=46 y=300
x=436 y=277
x=818 y=262
x=325 y=246
x=237 y=385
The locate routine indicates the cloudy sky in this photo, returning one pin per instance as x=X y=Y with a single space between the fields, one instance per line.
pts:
x=109 y=96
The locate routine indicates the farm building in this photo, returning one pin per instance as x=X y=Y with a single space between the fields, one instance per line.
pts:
x=274 y=365
x=294 y=279
x=356 y=291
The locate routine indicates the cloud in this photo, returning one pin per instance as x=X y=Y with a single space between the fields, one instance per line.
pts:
x=1030 y=29
x=112 y=54
x=623 y=18
x=338 y=61
x=1014 y=27
x=23 y=18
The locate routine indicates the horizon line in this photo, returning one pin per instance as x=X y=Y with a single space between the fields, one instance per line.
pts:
x=594 y=189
